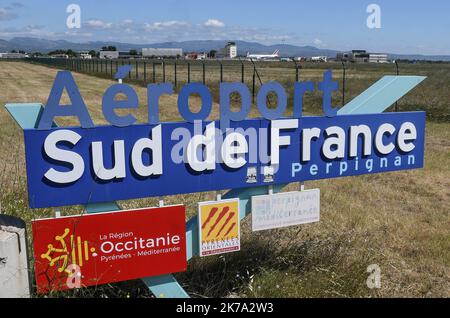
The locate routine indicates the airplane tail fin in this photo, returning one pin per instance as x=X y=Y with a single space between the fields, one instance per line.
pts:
x=276 y=52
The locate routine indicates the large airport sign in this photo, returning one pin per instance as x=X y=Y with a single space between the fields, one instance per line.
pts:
x=68 y=166
x=91 y=164
x=126 y=160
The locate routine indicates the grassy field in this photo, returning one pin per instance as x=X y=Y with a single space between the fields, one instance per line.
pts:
x=399 y=221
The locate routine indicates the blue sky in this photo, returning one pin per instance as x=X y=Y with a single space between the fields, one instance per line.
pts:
x=407 y=26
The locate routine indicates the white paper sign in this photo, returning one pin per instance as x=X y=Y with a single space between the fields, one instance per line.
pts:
x=285 y=209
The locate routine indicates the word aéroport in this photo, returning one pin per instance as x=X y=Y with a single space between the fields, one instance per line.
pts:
x=128 y=160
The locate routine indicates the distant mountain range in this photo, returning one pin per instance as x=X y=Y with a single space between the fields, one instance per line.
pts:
x=44 y=46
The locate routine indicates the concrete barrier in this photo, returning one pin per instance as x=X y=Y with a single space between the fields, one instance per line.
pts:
x=14 y=274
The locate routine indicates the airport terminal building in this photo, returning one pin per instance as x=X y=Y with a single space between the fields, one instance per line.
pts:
x=162 y=52
x=230 y=50
x=362 y=56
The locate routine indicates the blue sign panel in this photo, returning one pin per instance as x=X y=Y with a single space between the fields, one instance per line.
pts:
x=68 y=166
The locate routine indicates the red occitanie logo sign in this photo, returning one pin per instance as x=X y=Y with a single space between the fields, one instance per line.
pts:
x=86 y=250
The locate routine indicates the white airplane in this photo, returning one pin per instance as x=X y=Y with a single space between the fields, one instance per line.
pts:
x=274 y=55
x=319 y=59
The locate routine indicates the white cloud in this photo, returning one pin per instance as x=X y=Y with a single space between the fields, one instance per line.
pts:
x=77 y=34
x=27 y=31
x=317 y=42
x=97 y=24
x=214 y=23
x=165 y=25
x=6 y=14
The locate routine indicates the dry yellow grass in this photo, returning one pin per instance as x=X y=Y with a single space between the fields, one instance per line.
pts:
x=398 y=220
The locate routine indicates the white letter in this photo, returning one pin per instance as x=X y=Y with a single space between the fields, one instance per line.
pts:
x=308 y=135
x=207 y=140
x=407 y=132
x=155 y=146
x=64 y=156
x=74 y=19
x=276 y=141
x=118 y=171
x=230 y=150
x=339 y=141
x=355 y=131
x=384 y=149
x=104 y=250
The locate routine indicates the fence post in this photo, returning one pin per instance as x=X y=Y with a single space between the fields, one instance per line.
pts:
x=175 y=73
x=204 y=73
x=242 y=74
x=164 y=71
x=189 y=72
x=145 y=72
x=221 y=72
x=296 y=70
x=253 y=84
x=137 y=70
x=398 y=73
x=154 y=76
x=343 y=84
